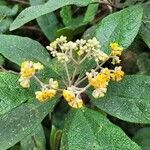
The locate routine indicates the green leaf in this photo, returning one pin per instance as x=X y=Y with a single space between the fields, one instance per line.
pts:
x=18 y=49
x=86 y=66
x=88 y=130
x=66 y=15
x=2 y=60
x=11 y=93
x=142 y=138
x=48 y=23
x=143 y=63
x=121 y=27
x=2 y=2
x=33 y=12
x=145 y=28
x=128 y=99
x=5 y=24
x=55 y=138
x=71 y=31
x=7 y=12
x=75 y=26
x=89 y=33
x=22 y=121
x=35 y=141
x=91 y=12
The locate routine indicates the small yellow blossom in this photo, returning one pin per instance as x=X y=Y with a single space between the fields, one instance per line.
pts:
x=106 y=72
x=45 y=94
x=76 y=103
x=100 y=81
x=68 y=95
x=27 y=73
x=116 y=49
x=28 y=70
x=118 y=74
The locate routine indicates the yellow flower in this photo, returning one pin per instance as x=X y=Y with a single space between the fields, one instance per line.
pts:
x=106 y=72
x=116 y=49
x=26 y=64
x=27 y=73
x=45 y=94
x=76 y=103
x=68 y=95
x=28 y=69
x=118 y=74
x=101 y=80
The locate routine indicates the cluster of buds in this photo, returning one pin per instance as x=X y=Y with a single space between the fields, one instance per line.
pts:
x=76 y=52
x=64 y=51
x=28 y=70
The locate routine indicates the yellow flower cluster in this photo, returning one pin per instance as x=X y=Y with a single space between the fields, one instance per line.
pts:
x=116 y=49
x=100 y=80
x=28 y=70
x=45 y=94
x=48 y=91
x=118 y=74
x=76 y=52
x=116 y=52
x=72 y=99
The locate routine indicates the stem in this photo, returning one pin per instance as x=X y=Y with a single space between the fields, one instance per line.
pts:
x=74 y=60
x=20 y=1
x=76 y=69
x=2 y=18
x=98 y=66
x=9 y=71
x=85 y=88
x=38 y=80
x=84 y=58
x=67 y=72
x=78 y=82
x=74 y=74
x=42 y=84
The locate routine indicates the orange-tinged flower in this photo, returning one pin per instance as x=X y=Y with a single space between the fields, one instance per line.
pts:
x=116 y=49
x=68 y=95
x=45 y=94
x=118 y=74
